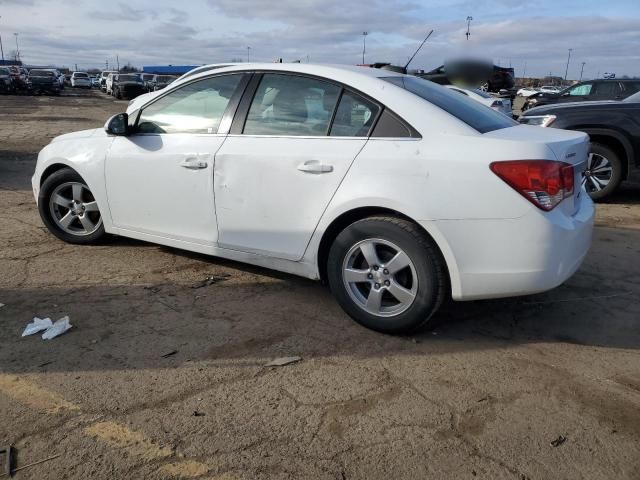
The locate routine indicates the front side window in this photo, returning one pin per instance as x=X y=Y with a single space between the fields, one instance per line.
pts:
x=292 y=106
x=194 y=108
x=581 y=90
x=354 y=117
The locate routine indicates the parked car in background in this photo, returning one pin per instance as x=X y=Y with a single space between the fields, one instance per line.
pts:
x=61 y=78
x=526 y=91
x=80 y=80
x=550 y=89
x=19 y=76
x=103 y=79
x=43 y=81
x=497 y=215
x=614 y=129
x=161 y=81
x=502 y=104
x=127 y=85
x=95 y=81
x=108 y=88
x=591 y=90
x=147 y=78
x=6 y=81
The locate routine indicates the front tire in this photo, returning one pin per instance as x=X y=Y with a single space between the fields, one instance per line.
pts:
x=387 y=274
x=69 y=210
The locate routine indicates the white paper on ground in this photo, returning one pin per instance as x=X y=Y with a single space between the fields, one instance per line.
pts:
x=57 y=328
x=37 y=325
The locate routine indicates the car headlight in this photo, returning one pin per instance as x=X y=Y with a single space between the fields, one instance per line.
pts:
x=539 y=120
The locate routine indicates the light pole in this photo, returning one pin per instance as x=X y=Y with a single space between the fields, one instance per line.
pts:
x=248 y=50
x=582 y=70
x=364 y=44
x=17 y=48
x=568 y=60
x=468 y=34
x=1 y=49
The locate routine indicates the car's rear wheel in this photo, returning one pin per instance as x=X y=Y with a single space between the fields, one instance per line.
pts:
x=69 y=209
x=604 y=172
x=387 y=274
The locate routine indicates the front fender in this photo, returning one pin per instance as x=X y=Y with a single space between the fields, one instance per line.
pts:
x=84 y=155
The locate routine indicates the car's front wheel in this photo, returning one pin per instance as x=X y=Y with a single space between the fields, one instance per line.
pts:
x=387 y=274
x=604 y=172
x=69 y=209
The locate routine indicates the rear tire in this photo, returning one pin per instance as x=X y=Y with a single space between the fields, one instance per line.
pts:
x=69 y=210
x=604 y=172
x=387 y=274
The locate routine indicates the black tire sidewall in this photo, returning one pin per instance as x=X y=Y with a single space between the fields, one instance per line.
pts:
x=616 y=174
x=48 y=186
x=429 y=293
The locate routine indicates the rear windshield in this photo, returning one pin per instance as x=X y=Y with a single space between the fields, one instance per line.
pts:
x=80 y=75
x=41 y=73
x=129 y=78
x=165 y=78
x=473 y=113
x=633 y=98
x=4 y=71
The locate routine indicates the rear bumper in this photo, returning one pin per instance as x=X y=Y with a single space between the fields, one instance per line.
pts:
x=522 y=256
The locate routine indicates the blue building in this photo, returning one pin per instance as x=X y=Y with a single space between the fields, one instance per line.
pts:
x=168 y=69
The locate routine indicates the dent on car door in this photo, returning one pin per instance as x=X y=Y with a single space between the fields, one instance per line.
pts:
x=159 y=179
x=276 y=173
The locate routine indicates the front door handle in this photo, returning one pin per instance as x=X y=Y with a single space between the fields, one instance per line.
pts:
x=314 y=166
x=193 y=163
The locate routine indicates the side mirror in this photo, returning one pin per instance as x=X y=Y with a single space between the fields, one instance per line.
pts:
x=117 y=125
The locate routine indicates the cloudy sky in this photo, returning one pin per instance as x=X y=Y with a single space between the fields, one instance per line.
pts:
x=538 y=34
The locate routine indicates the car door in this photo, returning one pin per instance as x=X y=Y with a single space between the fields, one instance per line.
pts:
x=290 y=146
x=160 y=178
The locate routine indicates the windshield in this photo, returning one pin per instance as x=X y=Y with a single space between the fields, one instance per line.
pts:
x=4 y=71
x=165 y=78
x=473 y=113
x=147 y=76
x=41 y=73
x=633 y=98
x=129 y=78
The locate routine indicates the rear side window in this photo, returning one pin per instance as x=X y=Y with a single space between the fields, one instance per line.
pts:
x=607 y=89
x=354 y=117
x=474 y=114
x=291 y=105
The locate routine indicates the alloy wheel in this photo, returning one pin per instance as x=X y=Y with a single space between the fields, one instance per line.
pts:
x=380 y=277
x=598 y=173
x=74 y=209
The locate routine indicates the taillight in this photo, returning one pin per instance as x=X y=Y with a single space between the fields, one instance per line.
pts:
x=545 y=183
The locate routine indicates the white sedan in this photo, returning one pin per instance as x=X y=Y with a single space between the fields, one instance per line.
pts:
x=80 y=80
x=526 y=92
x=499 y=104
x=396 y=191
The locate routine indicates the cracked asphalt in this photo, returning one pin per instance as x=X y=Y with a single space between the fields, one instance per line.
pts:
x=158 y=379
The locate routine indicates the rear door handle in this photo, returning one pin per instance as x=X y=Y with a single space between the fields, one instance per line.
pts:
x=314 y=166
x=193 y=163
